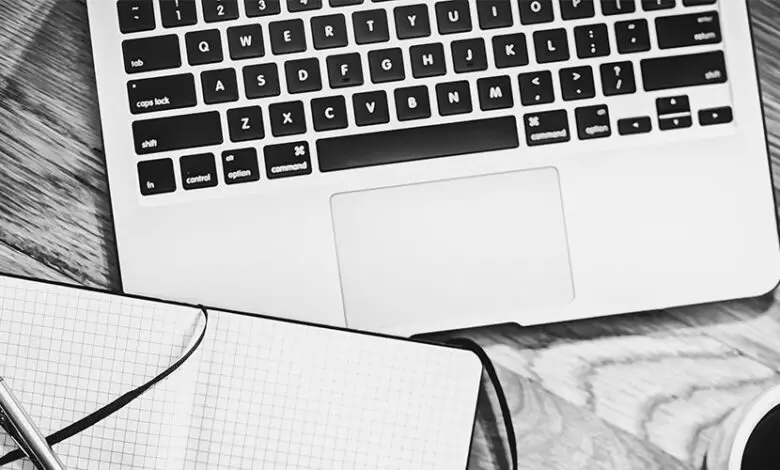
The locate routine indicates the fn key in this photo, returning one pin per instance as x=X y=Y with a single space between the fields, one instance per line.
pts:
x=156 y=177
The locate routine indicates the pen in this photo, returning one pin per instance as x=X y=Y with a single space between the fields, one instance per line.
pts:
x=28 y=437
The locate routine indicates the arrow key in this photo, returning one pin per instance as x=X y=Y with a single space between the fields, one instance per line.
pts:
x=713 y=116
x=577 y=83
x=635 y=125
x=672 y=123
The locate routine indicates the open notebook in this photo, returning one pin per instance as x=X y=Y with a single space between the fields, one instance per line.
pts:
x=257 y=393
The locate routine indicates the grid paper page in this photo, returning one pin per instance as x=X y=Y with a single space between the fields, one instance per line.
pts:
x=67 y=352
x=278 y=395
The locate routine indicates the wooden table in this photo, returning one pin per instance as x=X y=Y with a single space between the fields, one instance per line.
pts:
x=640 y=391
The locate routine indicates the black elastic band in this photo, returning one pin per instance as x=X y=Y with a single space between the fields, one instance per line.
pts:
x=116 y=405
x=500 y=395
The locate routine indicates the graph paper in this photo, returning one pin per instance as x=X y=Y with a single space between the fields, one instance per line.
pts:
x=258 y=393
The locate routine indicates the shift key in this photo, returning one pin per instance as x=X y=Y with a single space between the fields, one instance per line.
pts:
x=684 y=70
x=177 y=133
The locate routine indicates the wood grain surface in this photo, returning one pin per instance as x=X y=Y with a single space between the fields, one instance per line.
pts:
x=641 y=391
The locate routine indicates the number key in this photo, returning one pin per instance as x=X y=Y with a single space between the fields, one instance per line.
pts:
x=178 y=13
x=256 y=8
x=303 y=5
x=220 y=10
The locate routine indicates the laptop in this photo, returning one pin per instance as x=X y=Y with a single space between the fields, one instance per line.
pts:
x=407 y=166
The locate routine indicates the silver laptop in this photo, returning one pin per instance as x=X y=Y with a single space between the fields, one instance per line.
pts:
x=406 y=166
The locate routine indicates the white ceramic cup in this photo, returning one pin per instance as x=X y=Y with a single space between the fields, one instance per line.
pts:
x=742 y=430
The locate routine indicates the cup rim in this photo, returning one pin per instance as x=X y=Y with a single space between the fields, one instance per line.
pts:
x=761 y=406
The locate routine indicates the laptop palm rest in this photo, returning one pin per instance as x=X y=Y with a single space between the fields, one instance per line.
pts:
x=481 y=247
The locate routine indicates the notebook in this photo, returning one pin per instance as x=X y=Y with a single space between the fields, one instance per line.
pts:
x=256 y=393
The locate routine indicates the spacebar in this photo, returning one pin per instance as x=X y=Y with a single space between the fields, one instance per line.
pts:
x=418 y=143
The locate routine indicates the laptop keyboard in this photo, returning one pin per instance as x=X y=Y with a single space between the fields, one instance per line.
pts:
x=334 y=85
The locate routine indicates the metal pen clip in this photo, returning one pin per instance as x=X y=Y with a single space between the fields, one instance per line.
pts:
x=18 y=424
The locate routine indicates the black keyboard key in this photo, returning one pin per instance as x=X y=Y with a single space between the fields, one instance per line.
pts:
x=632 y=36
x=329 y=113
x=551 y=127
x=674 y=123
x=158 y=94
x=651 y=5
x=412 y=103
x=371 y=108
x=633 y=126
x=453 y=16
x=536 y=88
x=255 y=8
x=240 y=166
x=220 y=10
x=294 y=6
x=287 y=118
x=551 y=46
x=329 y=31
x=577 y=9
x=246 y=42
x=510 y=50
x=495 y=93
x=303 y=75
x=198 y=171
x=577 y=83
x=618 y=78
x=684 y=70
x=593 y=122
x=219 y=86
x=453 y=98
x=412 y=21
x=282 y=161
x=177 y=132
x=156 y=177
x=494 y=14
x=176 y=13
x=386 y=65
x=370 y=26
x=715 y=116
x=672 y=105
x=469 y=55
x=204 y=47
x=261 y=81
x=135 y=15
x=688 y=30
x=246 y=124
x=536 y=11
x=344 y=3
x=693 y=3
x=428 y=60
x=418 y=143
x=287 y=36
x=618 y=7
x=345 y=70
x=147 y=54
x=592 y=41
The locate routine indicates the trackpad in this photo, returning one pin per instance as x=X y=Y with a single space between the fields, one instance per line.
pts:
x=473 y=248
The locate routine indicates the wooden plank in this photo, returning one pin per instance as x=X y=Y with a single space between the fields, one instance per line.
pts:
x=650 y=375
x=19 y=264
x=555 y=434
x=50 y=153
x=766 y=18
